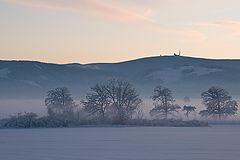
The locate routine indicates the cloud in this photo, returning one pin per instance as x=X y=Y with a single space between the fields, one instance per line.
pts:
x=108 y=9
x=184 y=33
x=112 y=10
x=231 y=25
x=193 y=35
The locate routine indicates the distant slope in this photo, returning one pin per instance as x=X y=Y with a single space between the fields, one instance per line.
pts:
x=185 y=75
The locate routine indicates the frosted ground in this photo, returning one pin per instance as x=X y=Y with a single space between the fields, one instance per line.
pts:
x=121 y=143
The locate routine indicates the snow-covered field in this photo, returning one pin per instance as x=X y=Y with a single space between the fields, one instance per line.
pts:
x=135 y=143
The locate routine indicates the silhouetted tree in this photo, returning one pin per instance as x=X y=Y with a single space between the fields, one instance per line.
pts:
x=123 y=97
x=59 y=102
x=188 y=110
x=97 y=101
x=218 y=102
x=163 y=102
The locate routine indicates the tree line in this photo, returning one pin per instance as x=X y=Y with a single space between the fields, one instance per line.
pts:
x=118 y=102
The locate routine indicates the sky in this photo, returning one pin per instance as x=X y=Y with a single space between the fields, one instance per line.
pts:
x=87 y=31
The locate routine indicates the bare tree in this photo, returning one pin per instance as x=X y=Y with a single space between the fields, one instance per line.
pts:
x=188 y=110
x=124 y=98
x=59 y=102
x=163 y=102
x=139 y=113
x=97 y=101
x=218 y=102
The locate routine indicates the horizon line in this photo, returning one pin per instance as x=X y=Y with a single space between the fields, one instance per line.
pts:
x=118 y=61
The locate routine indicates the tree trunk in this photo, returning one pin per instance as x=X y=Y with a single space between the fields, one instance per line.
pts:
x=166 y=112
x=219 y=116
x=166 y=109
x=219 y=110
x=103 y=116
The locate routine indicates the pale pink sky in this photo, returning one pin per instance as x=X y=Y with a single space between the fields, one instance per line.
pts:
x=84 y=31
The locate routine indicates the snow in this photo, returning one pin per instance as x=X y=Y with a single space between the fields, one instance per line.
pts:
x=122 y=143
x=86 y=66
x=45 y=78
x=4 y=72
x=31 y=83
x=93 y=67
x=38 y=66
x=167 y=75
x=171 y=75
x=199 y=71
